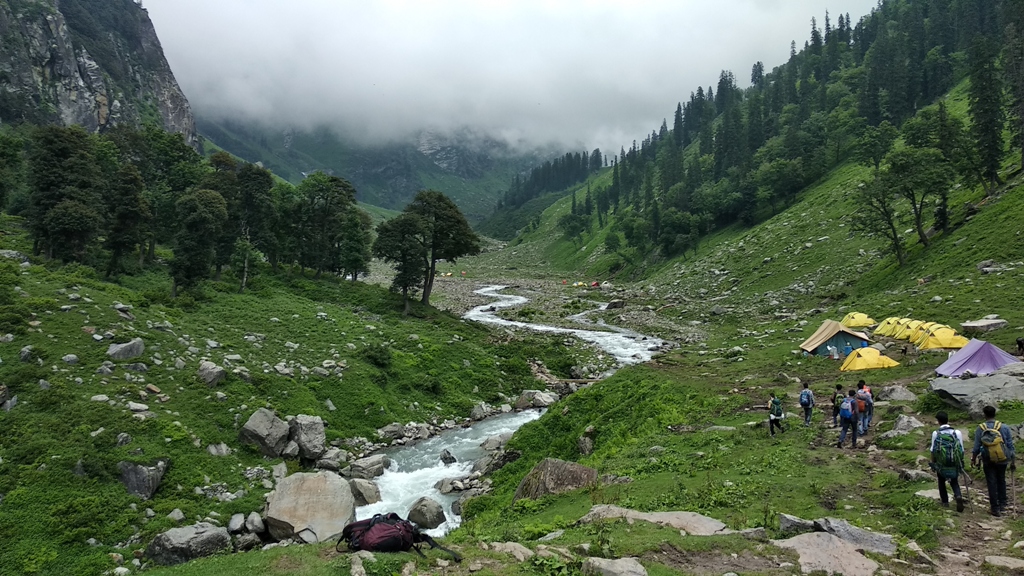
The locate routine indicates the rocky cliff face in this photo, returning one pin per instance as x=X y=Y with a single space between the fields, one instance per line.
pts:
x=96 y=63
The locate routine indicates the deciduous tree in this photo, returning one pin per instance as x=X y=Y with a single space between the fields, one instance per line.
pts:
x=448 y=234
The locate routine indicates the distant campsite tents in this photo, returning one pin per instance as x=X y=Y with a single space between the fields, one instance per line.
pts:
x=887 y=326
x=942 y=338
x=905 y=330
x=832 y=333
x=978 y=357
x=857 y=320
x=867 y=359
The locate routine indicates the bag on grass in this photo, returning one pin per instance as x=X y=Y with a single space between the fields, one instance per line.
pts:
x=387 y=533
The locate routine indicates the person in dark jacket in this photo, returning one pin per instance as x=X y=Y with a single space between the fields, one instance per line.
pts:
x=837 y=398
x=993 y=444
x=849 y=418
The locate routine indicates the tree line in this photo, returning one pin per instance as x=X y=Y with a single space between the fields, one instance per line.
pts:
x=108 y=200
x=551 y=176
x=865 y=91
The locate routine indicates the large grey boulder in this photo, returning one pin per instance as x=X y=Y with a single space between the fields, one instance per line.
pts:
x=369 y=467
x=267 y=431
x=789 y=524
x=128 y=350
x=904 y=425
x=860 y=538
x=364 y=491
x=142 y=481
x=427 y=513
x=553 y=476
x=496 y=442
x=829 y=554
x=535 y=399
x=237 y=523
x=210 y=373
x=986 y=325
x=179 y=545
x=308 y=433
x=896 y=394
x=974 y=394
x=310 y=507
x=254 y=523
x=618 y=567
x=480 y=411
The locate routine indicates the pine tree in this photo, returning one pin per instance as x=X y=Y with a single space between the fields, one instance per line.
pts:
x=985 y=104
x=1013 y=67
x=677 y=126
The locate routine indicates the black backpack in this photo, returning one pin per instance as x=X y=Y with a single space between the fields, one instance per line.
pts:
x=387 y=533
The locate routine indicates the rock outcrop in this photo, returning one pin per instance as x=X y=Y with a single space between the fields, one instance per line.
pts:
x=308 y=433
x=974 y=394
x=824 y=552
x=618 y=567
x=179 y=545
x=142 y=481
x=131 y=349
x=310 y=507
x=553 y=476
x=690 y=522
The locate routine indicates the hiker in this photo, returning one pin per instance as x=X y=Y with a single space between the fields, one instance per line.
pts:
x=1020 y=346
x=947 y=449
x=864 y=406
x=775 y=415
x=994 y=444
x=871 y=405
x=849 y=417
x=837 y=399
x=807 y=403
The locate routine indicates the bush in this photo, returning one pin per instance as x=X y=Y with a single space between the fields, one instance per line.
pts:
x=380 y=356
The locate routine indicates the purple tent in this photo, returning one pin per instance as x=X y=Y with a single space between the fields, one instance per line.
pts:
x=978 y=357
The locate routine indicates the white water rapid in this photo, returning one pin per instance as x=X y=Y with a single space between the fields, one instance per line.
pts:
x=417 y=467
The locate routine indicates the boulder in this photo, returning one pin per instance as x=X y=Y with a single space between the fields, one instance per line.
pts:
x=179 y=545
x=829 y=554
x=427 y=513
x=690 y=522
x=974 y=394
x=1007 y=562
x=517 y=550
x=267 y=431
x=535 y=399
x=291 y=450
x=177 y=515
x=391 y=431
x=615 y=305
x=308 y=433
x=310 y=507
x=447 y=458
x=793 y=525
x=861 y=539
x=896 y=394
x=27 y=353
x=916 y=475
x=331 y=459
x=237 y=523
x=496 y=442
x=904 y=425
x=220 y=449
x=254 y=523
x=480 y=411
x=70 y=359
x=553 y=476
x=210 y=373
x=981 y=326
x=585 y=444
x=246 y=542
x=369 y=467
x=128 y=350
x=619 y=567
x=498 y=461
x=1016 y=370
x=142 y=481
x=364 y=491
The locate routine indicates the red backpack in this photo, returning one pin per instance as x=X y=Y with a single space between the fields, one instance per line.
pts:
x=387 y=533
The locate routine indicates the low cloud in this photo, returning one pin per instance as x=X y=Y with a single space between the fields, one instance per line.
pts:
x=587 y=74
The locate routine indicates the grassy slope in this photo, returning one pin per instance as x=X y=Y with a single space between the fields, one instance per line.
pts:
x=48 y=512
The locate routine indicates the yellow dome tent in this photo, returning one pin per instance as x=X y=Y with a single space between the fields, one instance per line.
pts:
x=898 y=326
x=921 y=332
x=887 y=326
x=867 y=359
x=904 y=332
x=943 y=338
x=857 y=320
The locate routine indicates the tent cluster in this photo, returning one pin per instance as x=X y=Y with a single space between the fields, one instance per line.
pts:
x=857 y=320
x=835 y=336
x=924 y=335
x=977 y=357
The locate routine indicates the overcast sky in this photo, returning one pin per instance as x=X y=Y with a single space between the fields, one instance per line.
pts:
x=594 y=73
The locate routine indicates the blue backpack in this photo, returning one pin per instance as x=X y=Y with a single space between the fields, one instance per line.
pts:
x=805 y=398
x=846 y=408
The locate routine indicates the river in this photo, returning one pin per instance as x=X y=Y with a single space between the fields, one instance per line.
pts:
x=417 y=467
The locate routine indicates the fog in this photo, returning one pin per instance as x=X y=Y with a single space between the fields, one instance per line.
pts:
x=589 y=74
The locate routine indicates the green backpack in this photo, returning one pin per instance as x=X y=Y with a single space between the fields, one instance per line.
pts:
x=776 y=409
x=949 y=454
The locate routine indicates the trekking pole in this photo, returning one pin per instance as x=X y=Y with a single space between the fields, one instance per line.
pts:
x=967 y=487
x=1013 y=488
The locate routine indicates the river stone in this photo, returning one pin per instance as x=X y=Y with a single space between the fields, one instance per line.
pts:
x=553 y=476
x=364 y=491
x=690 y=522
x=267 y=431
x=824 y=552
x=427 y=513
x=619 y=567
x=391 y=431
x=310 y=506
x=974 y=394
x=237 y=523
x=254 y=523
x=142 y=481
x=369 y=467
x=308 y=433
x=128 y=350
x=896 y=394
x=447 y=458
x=179 y=545
x=860 y=538
x=480 y=411
x=496 y=442
x=535 y=399
x=904 y=425
x=210 y=373
x=793 y=525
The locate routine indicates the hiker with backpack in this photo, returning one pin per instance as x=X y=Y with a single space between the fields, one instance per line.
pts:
x=837 y=398
x=947 y=449
x=775 y=415
x=807 y=403
x=864 y=406
x=993 y=443
x=849 y=417
x=871 y=405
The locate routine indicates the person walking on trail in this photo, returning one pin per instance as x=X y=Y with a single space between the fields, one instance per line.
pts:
x=993 y=443
x=864 y=406
x=837 y=398
x=775 y=415
x=871 y=406
x=947 y=449
x=807 y=403
x=849 y=418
